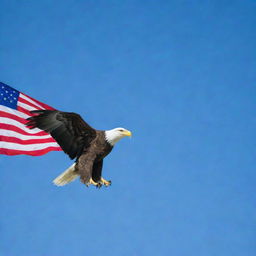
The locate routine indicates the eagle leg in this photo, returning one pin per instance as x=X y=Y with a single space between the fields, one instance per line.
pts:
x=105 y=182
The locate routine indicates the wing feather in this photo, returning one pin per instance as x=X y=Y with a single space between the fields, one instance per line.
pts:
x=71 y=132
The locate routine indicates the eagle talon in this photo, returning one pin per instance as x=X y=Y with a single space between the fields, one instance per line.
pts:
x=92 y=182
x=106 y=182
x=99 y=185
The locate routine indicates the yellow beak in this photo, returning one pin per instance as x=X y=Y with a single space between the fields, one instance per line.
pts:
x=127 y=133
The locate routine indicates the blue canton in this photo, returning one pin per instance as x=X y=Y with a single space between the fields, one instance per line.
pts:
x=8 y=96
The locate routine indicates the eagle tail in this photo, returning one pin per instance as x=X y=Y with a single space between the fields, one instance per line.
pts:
x=66 y=177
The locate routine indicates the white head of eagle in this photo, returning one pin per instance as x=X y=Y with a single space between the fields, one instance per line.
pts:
x=81 y=142
x=114 y=135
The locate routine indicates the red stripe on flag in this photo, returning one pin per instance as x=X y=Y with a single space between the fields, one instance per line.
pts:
x=13 y=152
x=26 y=142
x=23 y=110
x=14 y=117
x=28 y=103
x=17 y=129
x=40 y=103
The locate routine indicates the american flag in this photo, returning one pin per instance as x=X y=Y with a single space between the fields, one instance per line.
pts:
x=15 y=137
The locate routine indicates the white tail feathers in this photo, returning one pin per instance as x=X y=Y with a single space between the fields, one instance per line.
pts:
x=66 y=177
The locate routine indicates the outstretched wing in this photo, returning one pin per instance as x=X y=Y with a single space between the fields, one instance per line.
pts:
x=71 y=132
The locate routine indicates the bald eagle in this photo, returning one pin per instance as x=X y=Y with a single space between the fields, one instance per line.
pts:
x=81 y=142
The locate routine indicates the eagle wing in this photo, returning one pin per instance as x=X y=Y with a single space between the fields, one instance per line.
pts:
x=71 y=132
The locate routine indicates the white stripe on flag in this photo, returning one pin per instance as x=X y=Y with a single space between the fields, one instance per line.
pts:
x=14 y=134
x=6 y=120
x=31 y=101
x=14 y=112
x=30 y=147
x=23 y=105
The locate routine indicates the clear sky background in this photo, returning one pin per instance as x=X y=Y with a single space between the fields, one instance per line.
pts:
x=181 y=76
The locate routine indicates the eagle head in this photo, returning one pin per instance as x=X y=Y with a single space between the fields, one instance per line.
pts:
x=114 y=135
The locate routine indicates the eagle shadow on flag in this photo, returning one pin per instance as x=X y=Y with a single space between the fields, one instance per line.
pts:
x=15 y=137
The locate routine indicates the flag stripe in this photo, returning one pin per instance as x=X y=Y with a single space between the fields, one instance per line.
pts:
x=17 y=129
x=14 y=112
x=24 y=147
x=23 y=110
x=19 y=125
x=25 y=142
x=28 y=103
x=23 y=96
x=44 y=106
x=26 y=106
x=21 y=136
x=11 y=116
x=13 y=152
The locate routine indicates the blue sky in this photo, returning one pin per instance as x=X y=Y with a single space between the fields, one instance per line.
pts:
x=181 y=76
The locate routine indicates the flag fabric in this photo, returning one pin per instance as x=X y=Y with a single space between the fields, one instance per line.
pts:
x=15 y=137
